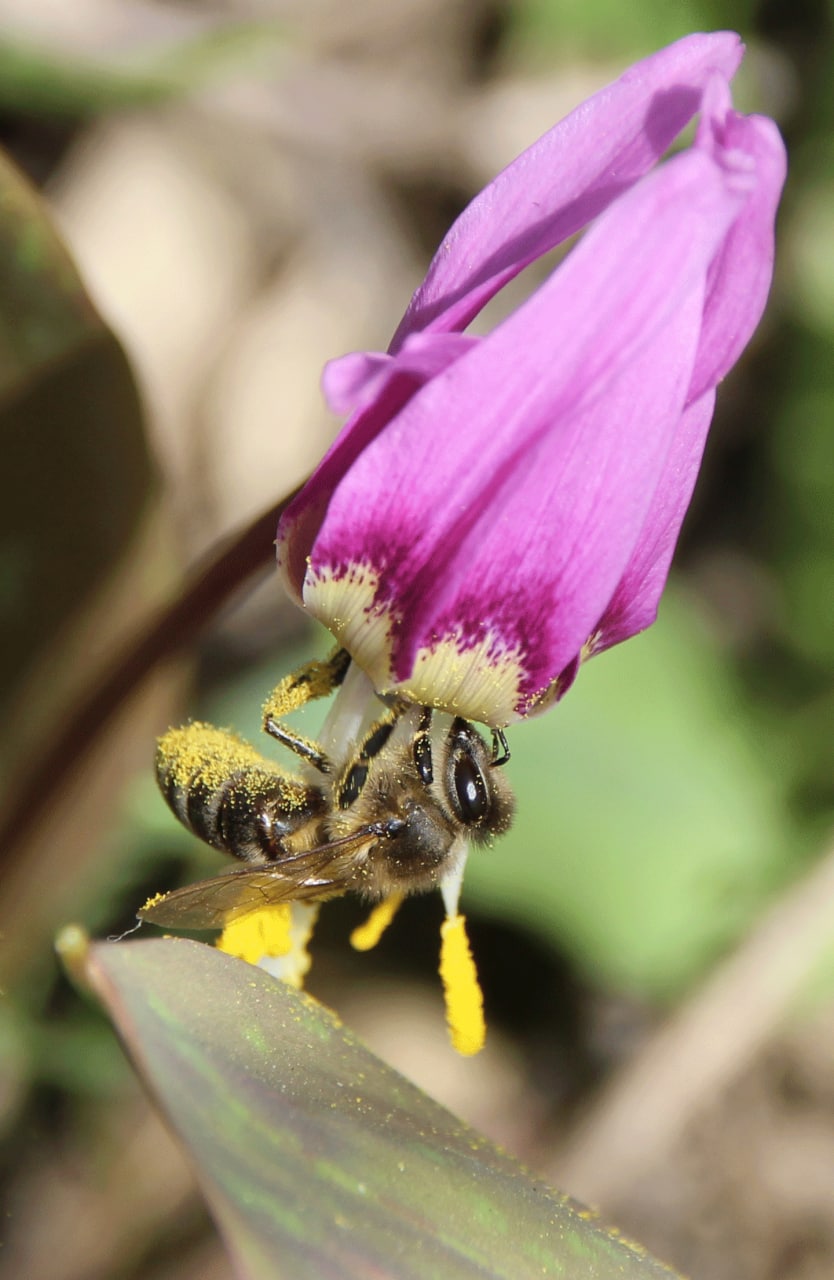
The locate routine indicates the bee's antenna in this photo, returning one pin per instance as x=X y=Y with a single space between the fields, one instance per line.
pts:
x=389 y=828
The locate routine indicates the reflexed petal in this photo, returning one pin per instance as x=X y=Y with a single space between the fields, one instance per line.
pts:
x=566 y=178
x=740 y=278
x=536 y=456
x=737 y=286
x=352 y=381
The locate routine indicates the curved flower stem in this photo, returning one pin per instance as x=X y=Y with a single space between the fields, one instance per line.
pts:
x=168 y=631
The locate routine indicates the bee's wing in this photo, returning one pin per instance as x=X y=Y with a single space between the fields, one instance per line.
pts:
x=212 y=904
x=322 y=872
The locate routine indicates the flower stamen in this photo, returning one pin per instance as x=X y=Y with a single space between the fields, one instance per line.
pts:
x=461 y=989
x=367 y=935
x=275 y=938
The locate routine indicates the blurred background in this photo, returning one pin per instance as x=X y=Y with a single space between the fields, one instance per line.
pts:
x=247 y=188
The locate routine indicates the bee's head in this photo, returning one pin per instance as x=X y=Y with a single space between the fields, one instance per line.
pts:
x=440 y=788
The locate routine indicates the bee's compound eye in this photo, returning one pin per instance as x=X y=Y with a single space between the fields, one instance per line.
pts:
x=470 y=797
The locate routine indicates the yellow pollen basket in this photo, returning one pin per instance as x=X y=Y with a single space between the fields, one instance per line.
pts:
x=461 y=989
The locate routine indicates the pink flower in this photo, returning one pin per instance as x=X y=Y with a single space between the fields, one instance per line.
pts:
x=498 y=508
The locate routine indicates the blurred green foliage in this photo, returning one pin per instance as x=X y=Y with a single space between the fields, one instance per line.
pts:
x=77 y=469
x=37 y=79
x=652 y=820
x=549 y=30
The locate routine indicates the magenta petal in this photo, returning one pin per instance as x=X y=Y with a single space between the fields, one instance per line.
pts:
x=740 y=277
x=537 y=454
x=752 y=153
x=352 y=381
x=301 y=521
x=383 y=384
x=633 y=607
x=566 y=179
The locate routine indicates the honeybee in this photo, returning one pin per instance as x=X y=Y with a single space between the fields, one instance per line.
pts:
x=385 y=804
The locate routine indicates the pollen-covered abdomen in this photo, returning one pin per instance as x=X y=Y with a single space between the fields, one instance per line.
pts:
x=229 y=796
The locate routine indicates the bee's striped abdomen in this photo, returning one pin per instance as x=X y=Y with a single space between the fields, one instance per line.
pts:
x=224 y=791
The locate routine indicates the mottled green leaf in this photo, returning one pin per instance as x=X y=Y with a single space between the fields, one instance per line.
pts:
x=317 y=1160
x=44 y=310
x=77 y=472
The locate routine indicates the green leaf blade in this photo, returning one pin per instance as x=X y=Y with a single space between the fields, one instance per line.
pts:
x=316 y=1159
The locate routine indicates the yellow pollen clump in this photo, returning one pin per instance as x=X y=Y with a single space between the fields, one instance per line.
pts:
x=367 y=935
x=265 y=932
x=199 y=757
x=462 y=992
x=153 y=900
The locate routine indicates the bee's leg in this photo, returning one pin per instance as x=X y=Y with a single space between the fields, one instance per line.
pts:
x=500 y=749
x=355 y=776
x=421 y=748
x=314 y=680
